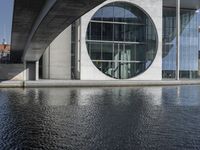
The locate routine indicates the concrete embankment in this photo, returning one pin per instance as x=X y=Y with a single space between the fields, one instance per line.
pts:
x=78 y=83
x=11 y=84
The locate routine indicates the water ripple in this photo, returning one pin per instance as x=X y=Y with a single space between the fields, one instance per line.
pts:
x=100 y=118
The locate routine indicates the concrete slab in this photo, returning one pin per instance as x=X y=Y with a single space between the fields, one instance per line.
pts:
x=124 y=83
x=11 y=84
x=78 y=83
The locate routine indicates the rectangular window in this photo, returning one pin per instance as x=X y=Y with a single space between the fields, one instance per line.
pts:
x=188 y=43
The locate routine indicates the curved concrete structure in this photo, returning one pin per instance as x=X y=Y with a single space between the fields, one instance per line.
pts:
x=36 y=23
x=153 y=72
x=24 y=15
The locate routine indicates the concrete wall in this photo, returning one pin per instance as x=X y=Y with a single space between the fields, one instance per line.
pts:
x=30 y=71
x=45 y=64
x=154 y=9
x=57 y=57
x=11 y=72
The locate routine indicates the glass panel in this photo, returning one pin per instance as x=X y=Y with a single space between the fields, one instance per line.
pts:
x=141 y=53
x=118 y=32
x=107 y=68
x=95 y=31
x=188 y=43
x=169 y=43
x=116 y=52
x=130 y=15
x=88 y=32
x=107 y=33
x=122 y=54
x=131 y=50
x=119 y=12
x=131 y=33
x=124 y=70
x=95 y=51
x=107 y=51
x=107 y=13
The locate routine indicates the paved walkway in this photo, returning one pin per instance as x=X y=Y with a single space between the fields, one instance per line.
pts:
x=78 y=83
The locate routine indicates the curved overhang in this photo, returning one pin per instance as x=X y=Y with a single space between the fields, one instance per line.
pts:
x=36 y=23
x=24 y=15
x=47 y=19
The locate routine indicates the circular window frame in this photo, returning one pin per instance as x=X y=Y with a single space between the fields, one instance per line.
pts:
x=155 y=30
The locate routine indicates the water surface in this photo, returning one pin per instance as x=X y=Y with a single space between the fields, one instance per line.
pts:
x=100 y=118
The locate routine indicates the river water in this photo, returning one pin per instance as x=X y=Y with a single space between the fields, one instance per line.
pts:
x=100 y=118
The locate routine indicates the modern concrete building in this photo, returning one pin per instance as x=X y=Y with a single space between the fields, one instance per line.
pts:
x=107 y=40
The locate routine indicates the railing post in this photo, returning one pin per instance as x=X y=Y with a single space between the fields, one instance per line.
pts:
x=177 y=39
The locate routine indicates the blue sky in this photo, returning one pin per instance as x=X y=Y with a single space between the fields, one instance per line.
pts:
x=6 y=10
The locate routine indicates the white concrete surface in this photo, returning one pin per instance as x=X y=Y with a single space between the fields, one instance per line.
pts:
x=93 y=83
x=106 y=83
x=57 y=57
x=11 y=84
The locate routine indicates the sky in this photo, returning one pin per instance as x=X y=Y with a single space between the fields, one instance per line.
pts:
x=6 y=12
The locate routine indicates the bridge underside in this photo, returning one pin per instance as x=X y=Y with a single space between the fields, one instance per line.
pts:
x=36 y=23
x=25 y=13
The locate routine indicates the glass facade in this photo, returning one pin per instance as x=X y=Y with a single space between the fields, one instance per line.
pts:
x=188 y=43
x=121 y=40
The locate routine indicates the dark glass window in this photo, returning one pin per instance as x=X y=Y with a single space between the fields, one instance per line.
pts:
x=118 y=32
x=107 y=32
x=95 y=51
x=95 y=31
x=107 y=51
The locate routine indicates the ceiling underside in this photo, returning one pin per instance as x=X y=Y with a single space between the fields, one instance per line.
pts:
x=36 y=23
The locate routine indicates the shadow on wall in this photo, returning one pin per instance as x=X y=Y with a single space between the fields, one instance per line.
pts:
x=13 y=72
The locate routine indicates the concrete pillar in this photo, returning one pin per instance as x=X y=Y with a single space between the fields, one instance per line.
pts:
x=45 y=64
x=37 y=70
x=57 y=57
x=25 y=71
x=177 y=38
x=30 y=71
x=77 y=48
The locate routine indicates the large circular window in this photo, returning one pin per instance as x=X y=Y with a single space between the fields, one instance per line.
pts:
x=121 y=40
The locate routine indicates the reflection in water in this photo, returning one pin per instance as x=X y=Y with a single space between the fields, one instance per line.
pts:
x=100 y=118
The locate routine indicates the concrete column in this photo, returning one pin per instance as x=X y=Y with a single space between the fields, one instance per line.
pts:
x=25 y=72
x=177 y=38
x=78 y=48
x=30 y=71
x=37 y=70
x=46 y=64
x=57 y=57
